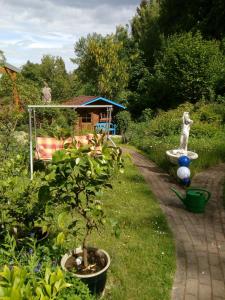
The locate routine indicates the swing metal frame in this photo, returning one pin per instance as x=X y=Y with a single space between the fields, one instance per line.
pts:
x=32 y=110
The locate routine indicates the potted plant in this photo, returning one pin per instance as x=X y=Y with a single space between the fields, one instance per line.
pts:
x=75 y=180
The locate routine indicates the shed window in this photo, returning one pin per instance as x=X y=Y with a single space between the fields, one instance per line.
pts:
x=103 y=115
x=86 y=118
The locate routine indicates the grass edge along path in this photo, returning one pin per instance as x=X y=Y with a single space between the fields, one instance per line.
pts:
x=143 y=258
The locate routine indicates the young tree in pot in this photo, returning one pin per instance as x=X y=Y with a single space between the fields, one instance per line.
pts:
x=75 y=179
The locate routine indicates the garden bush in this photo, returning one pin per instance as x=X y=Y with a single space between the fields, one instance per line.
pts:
x=30 y=275
x=190 y=68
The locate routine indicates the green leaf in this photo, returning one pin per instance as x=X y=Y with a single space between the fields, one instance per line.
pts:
x=60 y=239
x=44 y=193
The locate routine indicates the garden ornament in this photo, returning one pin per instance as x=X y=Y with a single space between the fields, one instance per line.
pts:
x=195 y=199
x=174 y=154
x=183 y=161
x=183 y=172
x=185 y=131
x=46 y=93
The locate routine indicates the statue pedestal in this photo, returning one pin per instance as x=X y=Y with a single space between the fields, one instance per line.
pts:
x=174 y=154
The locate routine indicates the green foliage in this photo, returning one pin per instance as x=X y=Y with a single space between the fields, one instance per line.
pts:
x=76 y=178
x=206 y=16
x=20 y=207
x=56 y=122
x=77 y=290
x=28 y=90
x=5 y=86
x=32 y=275
x=123 y=120
x=101 y=65
x=189 y=67
x=52 y=70
x=147 y=115
x=9 y=119
x=17 y=284
x=146 y=30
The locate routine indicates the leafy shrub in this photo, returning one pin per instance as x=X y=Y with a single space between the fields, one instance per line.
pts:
x=20 y=207
x=77 y=291
x=211 y=113
x=33 y=274
x=200 y=129
x=190 y=67
x=123 y=120
x=17 y=283
x=9 y=120
x=56 y=122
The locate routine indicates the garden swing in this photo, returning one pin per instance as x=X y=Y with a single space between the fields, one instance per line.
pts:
x=46 y=146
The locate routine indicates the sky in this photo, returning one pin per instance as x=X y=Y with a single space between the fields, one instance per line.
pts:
x=31 y=28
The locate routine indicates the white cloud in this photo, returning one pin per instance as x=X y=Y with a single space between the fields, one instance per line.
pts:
x=30 y=29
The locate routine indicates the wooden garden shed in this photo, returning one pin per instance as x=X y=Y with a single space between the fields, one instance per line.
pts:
x=89 y=119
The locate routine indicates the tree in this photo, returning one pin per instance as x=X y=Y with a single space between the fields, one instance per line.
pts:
x=146 y=30
x=189 y=68
x=53 y=71
x=32 y=72
x=207 y=16
x=28 y=90
x=101 y=66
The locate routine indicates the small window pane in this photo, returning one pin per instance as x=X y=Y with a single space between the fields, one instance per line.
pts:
x=86 y=118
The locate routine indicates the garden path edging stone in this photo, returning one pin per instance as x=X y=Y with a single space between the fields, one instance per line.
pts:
x=199 y=238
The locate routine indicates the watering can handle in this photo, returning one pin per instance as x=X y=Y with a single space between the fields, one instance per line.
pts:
x=202 y=190
x=177 y=193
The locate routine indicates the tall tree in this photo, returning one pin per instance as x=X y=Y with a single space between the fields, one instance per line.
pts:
x=146 y=30
x=101 y=66
x=53 y=71
x=207 y=16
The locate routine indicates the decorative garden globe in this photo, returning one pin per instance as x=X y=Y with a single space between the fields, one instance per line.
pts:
x=183 y=172
x=184 y=161
x=186 y=181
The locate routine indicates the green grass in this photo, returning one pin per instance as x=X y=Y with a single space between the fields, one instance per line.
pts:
x=210 y=151
x=143 y=257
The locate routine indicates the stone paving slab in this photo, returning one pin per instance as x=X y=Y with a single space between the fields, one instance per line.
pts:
x=200 y=238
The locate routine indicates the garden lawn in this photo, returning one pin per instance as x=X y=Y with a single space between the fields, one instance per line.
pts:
x=143 y=257
x=210 y=151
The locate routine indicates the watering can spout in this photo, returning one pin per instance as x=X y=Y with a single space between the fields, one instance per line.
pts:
x=178 y=194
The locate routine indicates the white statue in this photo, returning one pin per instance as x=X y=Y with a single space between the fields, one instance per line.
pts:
x=46 y=93
x=185 y=131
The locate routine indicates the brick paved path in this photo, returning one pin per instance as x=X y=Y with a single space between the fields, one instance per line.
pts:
x=200 y=238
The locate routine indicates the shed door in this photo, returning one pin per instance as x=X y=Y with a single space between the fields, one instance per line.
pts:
x=86 y=121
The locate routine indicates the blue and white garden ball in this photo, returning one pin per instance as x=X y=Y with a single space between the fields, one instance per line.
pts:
x=186 y=181
x=184 y=161
x=183 y=172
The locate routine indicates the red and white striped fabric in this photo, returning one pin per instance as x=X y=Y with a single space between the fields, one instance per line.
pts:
x=46 y=146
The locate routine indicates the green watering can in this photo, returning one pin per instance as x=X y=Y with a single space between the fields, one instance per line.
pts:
x=195 y=200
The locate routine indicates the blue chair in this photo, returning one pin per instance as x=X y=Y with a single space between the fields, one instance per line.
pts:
x=106 y=127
